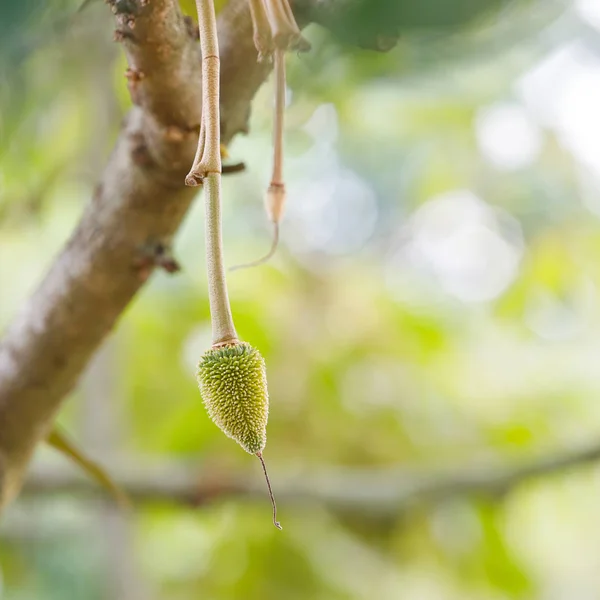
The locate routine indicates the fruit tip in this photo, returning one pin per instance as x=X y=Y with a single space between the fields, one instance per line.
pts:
x=273 y=504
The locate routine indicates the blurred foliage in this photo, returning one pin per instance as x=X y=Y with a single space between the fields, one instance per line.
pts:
x=434 y=303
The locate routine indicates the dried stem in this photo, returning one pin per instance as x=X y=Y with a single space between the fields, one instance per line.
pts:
x=275 y=26
x=284 y=29
x=263 y=259
x=278 y=118
x=273 y=503
x=275 y=198
x=263 y=38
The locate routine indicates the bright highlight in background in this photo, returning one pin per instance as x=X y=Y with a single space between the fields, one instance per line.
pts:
x=471 y=250
x=563 y=91
x=589 y=10
x=508 y=138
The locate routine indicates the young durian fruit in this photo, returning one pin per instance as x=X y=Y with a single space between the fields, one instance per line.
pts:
x=233 y=384
x=231 y=375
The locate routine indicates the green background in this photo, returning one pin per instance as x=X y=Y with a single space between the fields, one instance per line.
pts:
x=433 y=307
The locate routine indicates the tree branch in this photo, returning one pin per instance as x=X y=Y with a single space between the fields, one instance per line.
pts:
x=379 y=493
x=138 y=205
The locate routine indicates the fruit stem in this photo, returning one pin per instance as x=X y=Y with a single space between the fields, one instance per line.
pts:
x=223 y=329
x=273 y=504
x=207 y=170
x=208 y=153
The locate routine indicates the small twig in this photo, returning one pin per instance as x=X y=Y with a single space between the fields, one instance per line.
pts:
x=156 y=253
x=57 y=439
x=233 y=168
x=191 y=28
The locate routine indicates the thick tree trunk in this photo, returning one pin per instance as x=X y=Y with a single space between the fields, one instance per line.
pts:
x=141 y=199
x=127 y=228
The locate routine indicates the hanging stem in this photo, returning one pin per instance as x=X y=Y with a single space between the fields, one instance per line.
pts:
x=223 y=329
x=208 y=153
x=284 y=29
x=276 y=194
x=207 y=170
x=263 y=259
x=278 y=117
x=275 y=30
x=263 y=38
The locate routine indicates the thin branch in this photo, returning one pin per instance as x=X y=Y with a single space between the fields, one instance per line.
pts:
x=263 y=259
x=377 y=493
x=276 y=193
x=59 y=440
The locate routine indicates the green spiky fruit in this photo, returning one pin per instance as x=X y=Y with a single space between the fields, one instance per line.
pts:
x=233 y=384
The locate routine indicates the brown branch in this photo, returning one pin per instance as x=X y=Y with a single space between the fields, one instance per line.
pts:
x=140 y=201
x=380 y=493
x=138 y=204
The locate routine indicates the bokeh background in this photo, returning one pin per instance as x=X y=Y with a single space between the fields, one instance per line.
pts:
x=434 y=309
